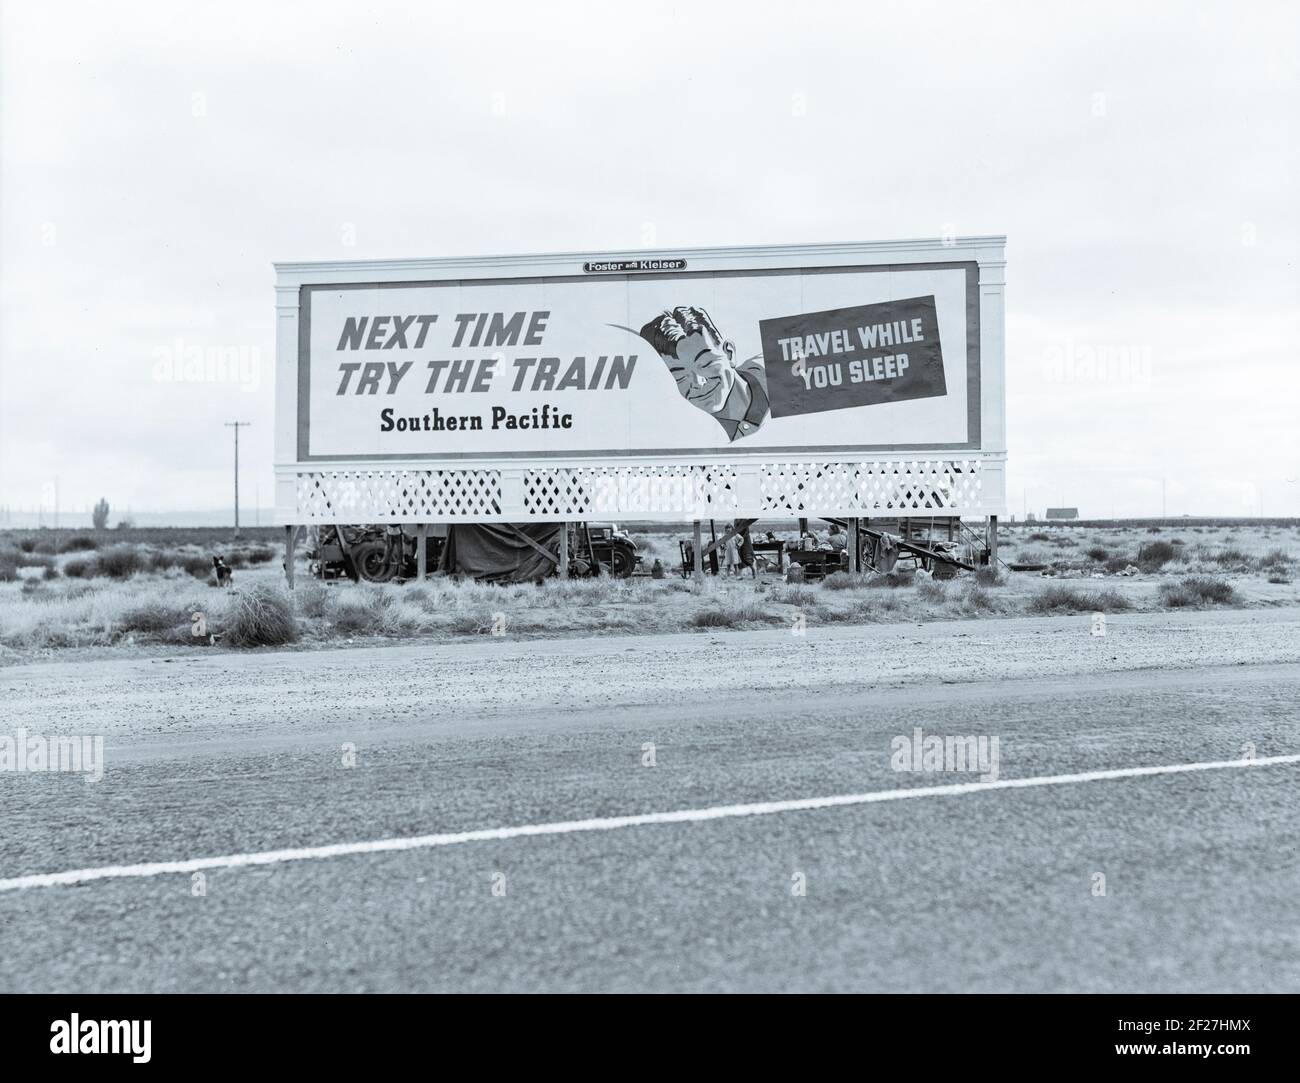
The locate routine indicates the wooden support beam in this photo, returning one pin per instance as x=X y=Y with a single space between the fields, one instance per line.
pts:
x=993 y=541
x=697 y=549
x=564 y=550
x=421 y=551
x=855 y=553
x=290 y=545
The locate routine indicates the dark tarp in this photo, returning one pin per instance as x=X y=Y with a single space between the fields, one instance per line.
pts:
x=495 y=553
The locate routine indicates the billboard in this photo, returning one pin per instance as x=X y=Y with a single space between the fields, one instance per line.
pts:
x=841 y=378
x=642 y=358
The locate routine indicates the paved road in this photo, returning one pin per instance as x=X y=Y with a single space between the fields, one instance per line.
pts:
x=992 y=890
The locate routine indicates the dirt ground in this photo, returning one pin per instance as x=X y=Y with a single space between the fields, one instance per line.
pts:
x=222 y=694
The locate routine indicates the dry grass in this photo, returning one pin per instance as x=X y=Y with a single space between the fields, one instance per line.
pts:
x=156 y=602
x=259 y=616
x=1065 y=598
x=1197 y=590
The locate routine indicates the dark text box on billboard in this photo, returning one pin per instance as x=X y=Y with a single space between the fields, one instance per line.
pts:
x=860 y=356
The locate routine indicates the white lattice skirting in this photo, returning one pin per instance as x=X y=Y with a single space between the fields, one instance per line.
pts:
x=680 y=492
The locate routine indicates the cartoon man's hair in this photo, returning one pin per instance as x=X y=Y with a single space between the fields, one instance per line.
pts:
x=670 y=327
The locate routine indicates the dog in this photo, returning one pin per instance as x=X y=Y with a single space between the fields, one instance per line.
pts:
x=225 y=577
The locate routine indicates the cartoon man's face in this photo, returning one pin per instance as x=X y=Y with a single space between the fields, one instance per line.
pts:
x=701 y=363
x=703 y=370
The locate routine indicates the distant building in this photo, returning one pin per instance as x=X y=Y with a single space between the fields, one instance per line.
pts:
x=1062 y=513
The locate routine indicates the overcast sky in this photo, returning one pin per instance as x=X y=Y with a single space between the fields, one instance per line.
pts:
x=1141 y=158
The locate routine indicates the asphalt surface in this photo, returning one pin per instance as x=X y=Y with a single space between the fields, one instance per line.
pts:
x=993 y=890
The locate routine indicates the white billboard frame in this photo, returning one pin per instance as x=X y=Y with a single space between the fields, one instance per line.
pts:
x=901 y=480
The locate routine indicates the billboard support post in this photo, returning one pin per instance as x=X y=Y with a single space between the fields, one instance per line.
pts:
x=697 y=553
x=564 y=551
x=290 y=547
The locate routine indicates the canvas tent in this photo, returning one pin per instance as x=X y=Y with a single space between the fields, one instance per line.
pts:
x=501 y=552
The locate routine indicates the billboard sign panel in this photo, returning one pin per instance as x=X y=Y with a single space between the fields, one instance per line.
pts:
x=642 y=358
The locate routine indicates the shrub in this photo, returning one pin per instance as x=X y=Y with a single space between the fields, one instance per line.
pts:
x=196 y=565
x=1197 y=590
x=312 y=598
x=182 y=635
x=45 y=545
x=1275 y=559
x=1155 y=555
x=160 y=561
x=1098 y=554
x=119 y=562
x=355 y=616
x=793 y=594
x=1231 y=558
x=81 y=543
x=27 y=545
x=1116 y=564
x=51 y=571
x=12 y=560
x=78 y=568
x=470 y=623
x=261 y=554
x=990 y=577
x=733 y=616
x=844 y=581
x=372 y=611
x=975 y=599
x=714 y=618
x=892 y=579
x=99 y=517
x=151 y=617
x=1039 y=535
x=259 y=616
x=1063 y=598
x=930 y=591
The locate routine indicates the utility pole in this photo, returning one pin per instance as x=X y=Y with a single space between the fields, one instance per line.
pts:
x=237 y=425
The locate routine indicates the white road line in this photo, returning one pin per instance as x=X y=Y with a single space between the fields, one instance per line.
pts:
x=609 y=823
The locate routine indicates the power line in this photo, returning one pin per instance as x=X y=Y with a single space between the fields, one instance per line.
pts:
x=237 y=425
